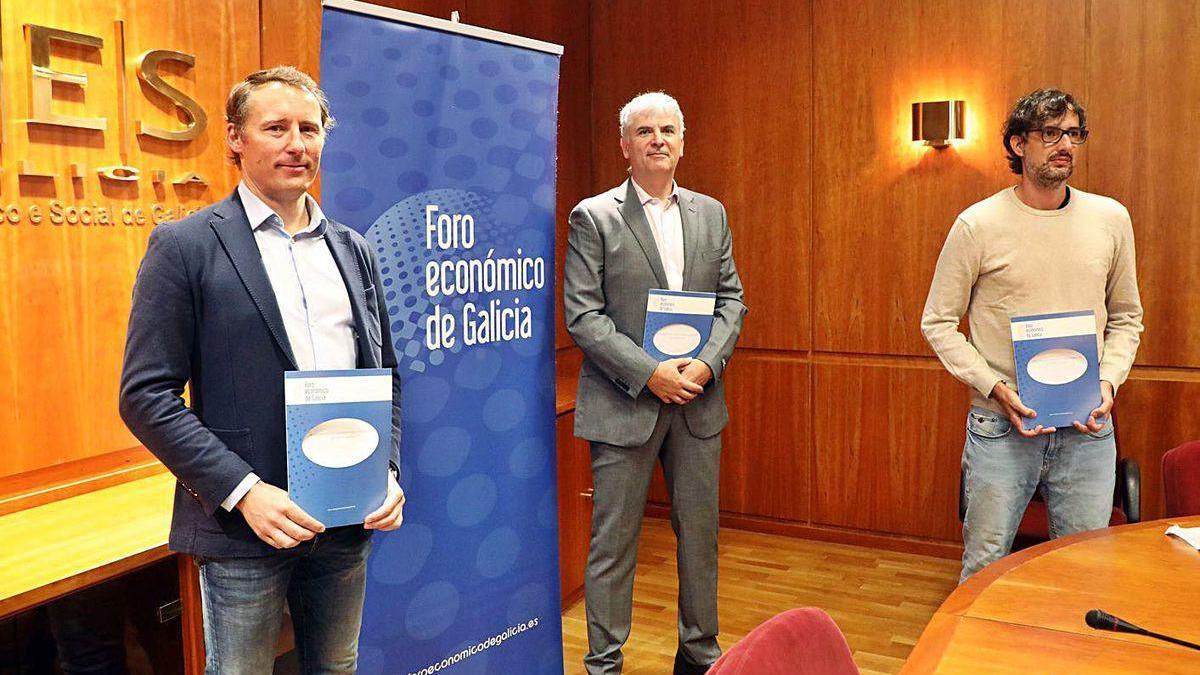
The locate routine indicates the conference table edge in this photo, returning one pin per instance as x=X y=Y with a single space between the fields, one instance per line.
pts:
x=939 y=632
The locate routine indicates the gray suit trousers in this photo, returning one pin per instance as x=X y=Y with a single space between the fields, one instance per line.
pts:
x=621 y=476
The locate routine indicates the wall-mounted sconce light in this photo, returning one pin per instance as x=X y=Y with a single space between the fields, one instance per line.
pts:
x=937 y=122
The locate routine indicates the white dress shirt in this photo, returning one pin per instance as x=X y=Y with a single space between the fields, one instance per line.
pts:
x=667 y=226
x=309 y=291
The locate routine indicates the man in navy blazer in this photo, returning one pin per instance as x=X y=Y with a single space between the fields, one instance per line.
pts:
x=227 y=300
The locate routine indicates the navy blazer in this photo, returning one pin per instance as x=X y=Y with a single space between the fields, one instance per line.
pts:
x=204 y=314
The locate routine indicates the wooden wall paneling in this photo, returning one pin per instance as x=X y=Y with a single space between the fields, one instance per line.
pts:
x=741 y=73
x=574 y=507
x=65 y=288
x=42 y=265
x=1144 y=87
x=1039 y=52
x=883 y=204
x=1154 y=414
x=285 y=25
x=887 y=447
x=767 y=447
x=224 y=38
x=567 y=362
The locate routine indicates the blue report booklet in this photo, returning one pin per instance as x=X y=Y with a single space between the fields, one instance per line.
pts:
x=1058 y=369
x=339 y=438
x=678 y=323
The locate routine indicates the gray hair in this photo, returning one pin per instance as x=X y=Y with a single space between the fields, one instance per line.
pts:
x=237 y=104
x=651 y=100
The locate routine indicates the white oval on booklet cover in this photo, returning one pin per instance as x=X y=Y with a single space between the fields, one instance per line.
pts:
x=676 y=338
x=1057 y=366
x=340 y=442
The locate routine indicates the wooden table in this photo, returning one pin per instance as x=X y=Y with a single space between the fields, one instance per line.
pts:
x=1025 y=613
x=54 y=549
x=51 y=550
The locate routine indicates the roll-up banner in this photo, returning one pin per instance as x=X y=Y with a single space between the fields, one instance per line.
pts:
x=443 y=158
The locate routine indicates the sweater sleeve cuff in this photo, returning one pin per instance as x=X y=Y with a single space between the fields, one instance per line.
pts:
x=1114 y=376
x=985 y=384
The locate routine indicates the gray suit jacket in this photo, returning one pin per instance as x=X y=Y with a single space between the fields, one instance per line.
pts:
x=611 y=263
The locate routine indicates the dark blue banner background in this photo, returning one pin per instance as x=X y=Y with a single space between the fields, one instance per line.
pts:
x=469 y=583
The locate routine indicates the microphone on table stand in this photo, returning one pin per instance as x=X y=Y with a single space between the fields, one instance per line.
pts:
x=1102 y=620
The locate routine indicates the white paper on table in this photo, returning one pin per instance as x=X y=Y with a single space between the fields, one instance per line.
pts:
x=1189 y=534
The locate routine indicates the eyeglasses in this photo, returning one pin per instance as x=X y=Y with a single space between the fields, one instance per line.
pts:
x=1052 y=135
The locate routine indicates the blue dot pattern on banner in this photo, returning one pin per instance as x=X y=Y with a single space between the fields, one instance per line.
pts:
x=498 y=552
x=529 y=458
x=433 y=118
x=395 y=565
x=432 y=610
x=444 y=452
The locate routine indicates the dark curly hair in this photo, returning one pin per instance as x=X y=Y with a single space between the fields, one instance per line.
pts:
x=1031 y=112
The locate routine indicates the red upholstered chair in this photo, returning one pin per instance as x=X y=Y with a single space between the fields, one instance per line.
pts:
x=802 y=641
x=1181 y=480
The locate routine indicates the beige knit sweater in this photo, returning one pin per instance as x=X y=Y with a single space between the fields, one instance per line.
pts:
x=1003 y=258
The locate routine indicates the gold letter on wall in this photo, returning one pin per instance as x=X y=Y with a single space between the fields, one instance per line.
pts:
x=147 y=70
x=42 y=82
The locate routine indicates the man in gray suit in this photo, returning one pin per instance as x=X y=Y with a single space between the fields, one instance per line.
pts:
x=650 y=233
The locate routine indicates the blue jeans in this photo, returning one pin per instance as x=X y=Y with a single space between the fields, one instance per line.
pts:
x=1075 y=471
x=323 y=582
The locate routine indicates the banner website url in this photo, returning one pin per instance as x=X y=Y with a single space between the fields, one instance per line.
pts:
x=474 y=649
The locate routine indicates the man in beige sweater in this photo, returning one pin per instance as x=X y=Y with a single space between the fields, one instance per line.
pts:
x=1036 y=248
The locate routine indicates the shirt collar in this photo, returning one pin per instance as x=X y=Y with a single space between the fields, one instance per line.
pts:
x=644 y=197
x=258 y=213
